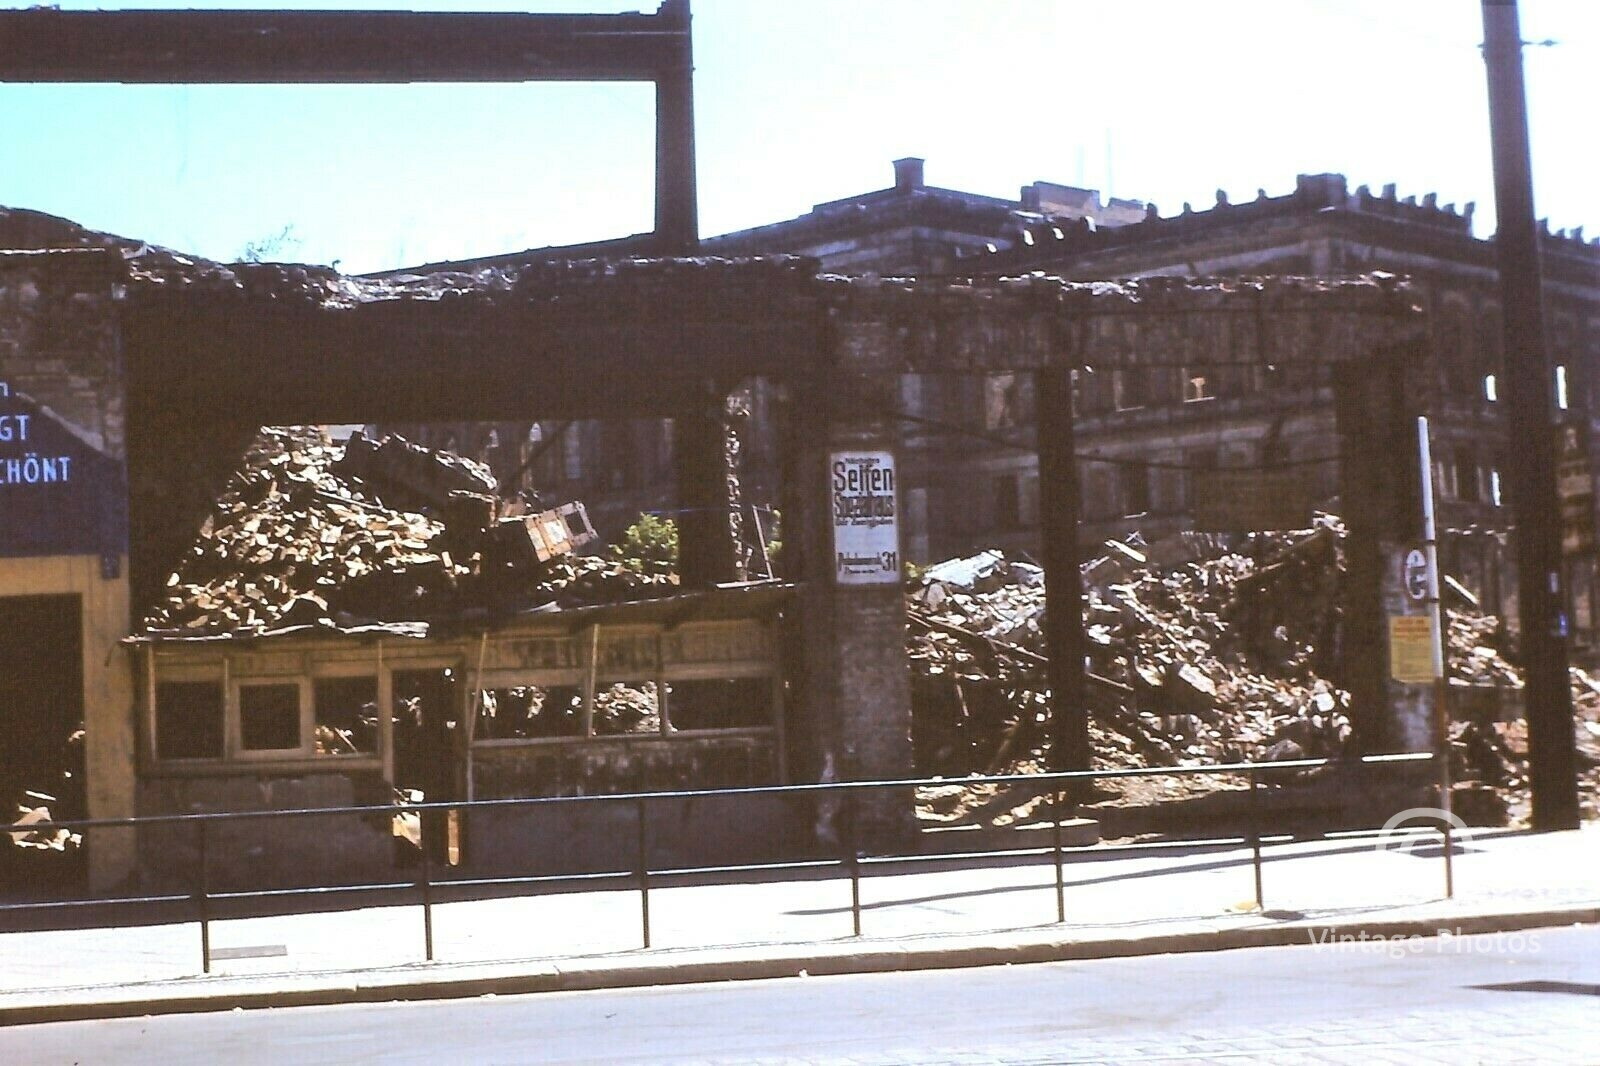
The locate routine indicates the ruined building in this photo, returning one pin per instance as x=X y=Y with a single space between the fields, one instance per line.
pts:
x=908 y=229
x=1163 y=429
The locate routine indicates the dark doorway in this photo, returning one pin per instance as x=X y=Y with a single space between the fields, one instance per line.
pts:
x=41 y=743
x=41 y=697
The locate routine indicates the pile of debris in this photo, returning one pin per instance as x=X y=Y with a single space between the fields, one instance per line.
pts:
x=1191 y=661
x=311 y=533
x=1203 y=649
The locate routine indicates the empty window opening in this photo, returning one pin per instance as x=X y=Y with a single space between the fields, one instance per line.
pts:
x=346 y=710
x=189 y=720
x=530 y=711
x=722 y=703
x=1007 y=502
x=627 y=708
x=269 y=717
x=1129 y=389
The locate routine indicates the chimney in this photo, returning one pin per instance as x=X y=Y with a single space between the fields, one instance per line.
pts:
x=907 y=174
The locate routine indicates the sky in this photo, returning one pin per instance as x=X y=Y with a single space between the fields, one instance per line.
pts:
x=803 y=101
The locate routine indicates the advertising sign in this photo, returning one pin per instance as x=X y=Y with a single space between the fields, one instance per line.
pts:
x=1414 y=574
x=1575 y=490
x=1411 y=648
x=866 y=529
x=58 y=495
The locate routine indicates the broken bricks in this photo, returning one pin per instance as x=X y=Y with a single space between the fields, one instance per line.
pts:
x=308 y=532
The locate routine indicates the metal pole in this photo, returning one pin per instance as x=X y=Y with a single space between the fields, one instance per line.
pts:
x=1061 y=887
x=854 y=859
x=427 y=898
x=642 y=862
x=1255 y=839
x=1441 y=684
x=1449 y=867
x=204 y=900
x=1531 y=476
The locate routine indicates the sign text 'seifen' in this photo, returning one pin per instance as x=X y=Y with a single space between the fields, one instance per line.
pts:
x=866 y=529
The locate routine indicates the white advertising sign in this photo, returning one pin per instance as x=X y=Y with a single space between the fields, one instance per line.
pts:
x=866 y=530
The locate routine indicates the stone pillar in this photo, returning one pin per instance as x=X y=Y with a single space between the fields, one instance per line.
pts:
x=1376 y=404
x=853 y=694
x=701 y=470
x=1065 y=639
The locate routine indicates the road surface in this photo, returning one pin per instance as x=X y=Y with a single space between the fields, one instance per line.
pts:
x=1531 y=997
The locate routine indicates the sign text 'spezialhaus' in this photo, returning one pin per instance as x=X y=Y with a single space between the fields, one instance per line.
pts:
x=862 y=491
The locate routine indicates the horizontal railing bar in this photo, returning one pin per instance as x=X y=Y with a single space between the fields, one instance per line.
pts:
x=311 y=890
x=754 y=867
x=113 y=901
x=530 y=879
x=388 y=810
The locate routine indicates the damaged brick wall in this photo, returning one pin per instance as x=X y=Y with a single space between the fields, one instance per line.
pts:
x=60 y=341
x=267 y=852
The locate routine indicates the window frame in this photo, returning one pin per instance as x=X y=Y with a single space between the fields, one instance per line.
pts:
x=234 y=747
x=234 y=756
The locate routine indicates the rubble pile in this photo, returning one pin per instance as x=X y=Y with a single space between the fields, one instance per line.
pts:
x=308 y=532
x=1213 y=657
x=1203 y=649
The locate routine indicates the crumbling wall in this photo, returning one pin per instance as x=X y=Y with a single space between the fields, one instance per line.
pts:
x=61 y=360
x=266 y=852
x=60 y=340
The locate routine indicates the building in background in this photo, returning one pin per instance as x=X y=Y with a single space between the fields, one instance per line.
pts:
x=1146 y=438
x=910 y=228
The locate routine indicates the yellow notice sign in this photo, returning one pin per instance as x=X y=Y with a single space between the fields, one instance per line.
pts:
x=1411 y=648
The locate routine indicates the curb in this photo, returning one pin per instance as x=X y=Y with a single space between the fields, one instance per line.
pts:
x=582 y=978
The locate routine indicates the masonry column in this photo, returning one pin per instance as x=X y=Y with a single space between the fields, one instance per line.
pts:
x=854 y=689
x=705 y=516
x=1058 y=518
x=1378 y=487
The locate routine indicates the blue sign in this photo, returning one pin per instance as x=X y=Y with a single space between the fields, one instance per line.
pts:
x=58 y=494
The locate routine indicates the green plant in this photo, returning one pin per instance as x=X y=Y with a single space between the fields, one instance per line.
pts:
x=650 y=545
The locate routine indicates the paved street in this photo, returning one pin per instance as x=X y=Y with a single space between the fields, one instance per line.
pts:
x=1530 y=997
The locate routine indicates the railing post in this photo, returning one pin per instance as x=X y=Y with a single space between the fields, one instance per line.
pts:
x=1449 y=867
x=1255 y=838
x=204 y=901
x=427 y=889
x=853 y=858
x=643 y=867
x=1061 y=887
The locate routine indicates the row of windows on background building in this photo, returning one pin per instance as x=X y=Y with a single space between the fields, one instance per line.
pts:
x=1469 y=351
x=1008 y=398
x=621 y=453
x=1133 y=489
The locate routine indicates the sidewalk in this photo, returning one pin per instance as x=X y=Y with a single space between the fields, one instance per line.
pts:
x=1117 y=903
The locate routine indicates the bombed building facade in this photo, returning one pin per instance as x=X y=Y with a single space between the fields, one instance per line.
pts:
x=301 y=684
x=1150 y=438
x=1159 y=441
x=909 y=229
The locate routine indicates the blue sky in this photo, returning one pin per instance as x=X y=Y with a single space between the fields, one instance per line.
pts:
x=801 y=101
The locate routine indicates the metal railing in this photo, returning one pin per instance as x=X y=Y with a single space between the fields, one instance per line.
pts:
x=848 y=857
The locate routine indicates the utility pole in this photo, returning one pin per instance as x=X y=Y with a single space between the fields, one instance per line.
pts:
x=1531 y=477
